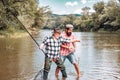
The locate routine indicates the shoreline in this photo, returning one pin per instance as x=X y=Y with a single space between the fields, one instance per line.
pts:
x=15 y=35
x=25 y=34
x=19 y=34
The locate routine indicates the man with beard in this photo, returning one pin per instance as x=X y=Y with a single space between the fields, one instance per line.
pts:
x=68 y=49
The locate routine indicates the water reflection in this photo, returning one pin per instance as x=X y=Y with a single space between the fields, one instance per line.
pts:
x=16 y=56
x=101 y=59
x=20 y=59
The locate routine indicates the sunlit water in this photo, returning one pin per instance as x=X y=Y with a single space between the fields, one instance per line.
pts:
x=98 y=55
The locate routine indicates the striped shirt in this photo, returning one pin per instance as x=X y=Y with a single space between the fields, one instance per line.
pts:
x=52 y=47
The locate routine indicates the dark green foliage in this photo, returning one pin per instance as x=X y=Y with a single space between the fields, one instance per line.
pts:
x=26 y=10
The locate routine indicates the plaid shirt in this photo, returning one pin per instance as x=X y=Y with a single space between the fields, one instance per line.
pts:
x=52 y=48
x=64 y=51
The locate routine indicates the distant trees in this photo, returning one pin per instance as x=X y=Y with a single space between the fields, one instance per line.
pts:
x=106 y=16
x=41 y=16
x=99 y=7
x=85 y=10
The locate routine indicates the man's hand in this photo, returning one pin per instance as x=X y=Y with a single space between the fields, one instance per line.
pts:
x=75 y=40
x=72 y=49
x=41 y=46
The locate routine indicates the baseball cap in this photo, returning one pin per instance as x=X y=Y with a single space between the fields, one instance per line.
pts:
x=57 y=30
x=69 y=26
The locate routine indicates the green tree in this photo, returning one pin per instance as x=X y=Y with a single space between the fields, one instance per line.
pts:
x=26 y=10
x=85 y=10
x=70 y=19
x=99 y=7
x=41 y=17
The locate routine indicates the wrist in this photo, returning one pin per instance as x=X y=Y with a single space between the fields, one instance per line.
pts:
x=67 y=47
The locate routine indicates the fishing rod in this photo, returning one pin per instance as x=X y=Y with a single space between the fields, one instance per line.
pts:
x=39 y=75
x=20 y=22
x=28 y=33
x=41 y=70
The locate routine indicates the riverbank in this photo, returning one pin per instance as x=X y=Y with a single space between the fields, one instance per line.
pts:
x=19 y=33
x=14 y=35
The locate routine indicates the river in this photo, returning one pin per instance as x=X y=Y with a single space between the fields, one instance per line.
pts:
x=98 y=56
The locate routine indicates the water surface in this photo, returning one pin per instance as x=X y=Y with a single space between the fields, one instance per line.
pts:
x=98 y=55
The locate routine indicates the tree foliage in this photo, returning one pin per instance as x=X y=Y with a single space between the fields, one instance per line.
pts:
x=106 y=17
x=27 y=11
x=85 y=10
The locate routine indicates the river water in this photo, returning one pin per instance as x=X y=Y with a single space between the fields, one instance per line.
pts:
x=98 y=56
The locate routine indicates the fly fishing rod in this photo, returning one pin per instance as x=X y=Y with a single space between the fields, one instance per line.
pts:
x=41 y=70
x=29 y=33
x=39 y=75
x=9 y=10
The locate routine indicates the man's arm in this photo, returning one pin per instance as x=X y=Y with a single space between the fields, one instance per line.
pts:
x=75 y=40
x=64 y=46
x=74 y=44
x=69 y=40
x=43 y=43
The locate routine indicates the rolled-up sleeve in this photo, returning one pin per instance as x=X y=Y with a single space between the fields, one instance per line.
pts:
x=65 y=40
x=45 y=40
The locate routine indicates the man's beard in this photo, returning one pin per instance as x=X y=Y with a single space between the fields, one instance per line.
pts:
x=69 y=33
